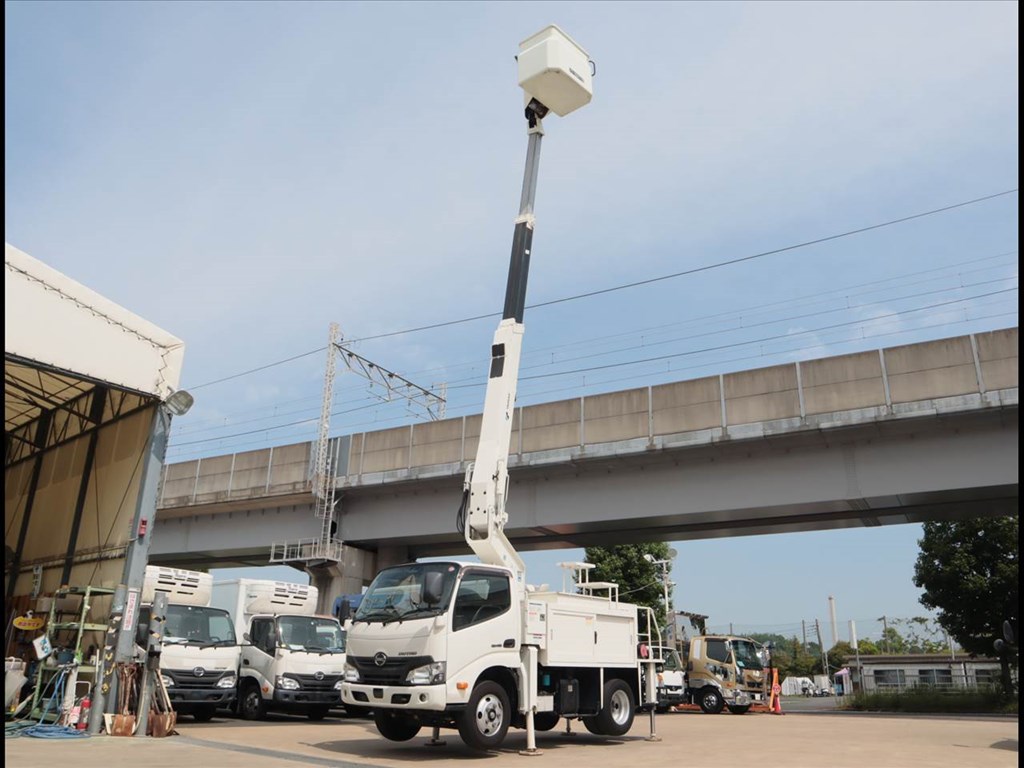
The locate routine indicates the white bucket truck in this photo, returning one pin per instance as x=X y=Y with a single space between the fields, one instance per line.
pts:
x=291 y=660
x=470 y=646
x=199 y=662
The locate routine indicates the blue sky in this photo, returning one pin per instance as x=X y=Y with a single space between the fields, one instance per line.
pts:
x=243 y=174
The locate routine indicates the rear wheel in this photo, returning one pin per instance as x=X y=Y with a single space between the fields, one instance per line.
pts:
x=616 y=716
x=710 y=700
x=395 y=726
x=739 y=710
x=485 y=721
x=251 y=703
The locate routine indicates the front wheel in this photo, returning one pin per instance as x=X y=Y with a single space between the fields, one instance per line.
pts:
x=252 y=705
x=394 y=726
x=485 y=721
x=711 y=701
x=737 y=709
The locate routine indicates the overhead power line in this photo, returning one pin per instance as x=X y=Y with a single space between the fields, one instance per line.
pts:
x=635 y=284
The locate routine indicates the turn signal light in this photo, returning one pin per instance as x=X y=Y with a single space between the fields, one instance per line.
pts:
x=462 y=686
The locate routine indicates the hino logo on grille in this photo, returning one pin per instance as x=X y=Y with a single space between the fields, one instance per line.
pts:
x=198 y=671
x=318 y=675
x=380 y=659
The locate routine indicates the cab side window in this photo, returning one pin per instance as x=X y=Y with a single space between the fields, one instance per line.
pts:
x=481 y=596
x=261 y=635
x=718 y=650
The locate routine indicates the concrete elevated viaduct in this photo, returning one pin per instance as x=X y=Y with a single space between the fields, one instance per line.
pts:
x=899 y=435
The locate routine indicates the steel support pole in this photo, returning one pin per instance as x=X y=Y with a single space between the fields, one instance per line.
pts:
x=142 y=529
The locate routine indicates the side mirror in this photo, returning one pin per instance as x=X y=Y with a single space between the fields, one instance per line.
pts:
x=433 y=584
x=245 y=636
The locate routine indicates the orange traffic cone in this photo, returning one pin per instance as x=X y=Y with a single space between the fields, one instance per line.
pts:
x=775 y=699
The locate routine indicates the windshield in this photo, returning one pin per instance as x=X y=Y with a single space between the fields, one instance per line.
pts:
x=746 y=654
x=193 y=624
x=397 y=593
x=312 y=633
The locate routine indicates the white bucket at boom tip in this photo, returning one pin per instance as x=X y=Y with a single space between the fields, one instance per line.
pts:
x=555 y=71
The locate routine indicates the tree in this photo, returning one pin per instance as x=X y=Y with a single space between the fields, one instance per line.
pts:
x=638 y=579
x=968 y=570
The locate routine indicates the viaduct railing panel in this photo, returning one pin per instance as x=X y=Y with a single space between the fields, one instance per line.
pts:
x=250 y=474
x=686 y=406
x=843 y=383
x=552 y=425
x=765 y=394
x=213 y=480
x=997 y=354
x=616 y=416
x=931 y=370
x=437 y=442
x=289 y=469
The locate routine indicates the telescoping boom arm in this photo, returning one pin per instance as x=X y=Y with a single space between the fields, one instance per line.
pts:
x=555 y=73
x=486 y=487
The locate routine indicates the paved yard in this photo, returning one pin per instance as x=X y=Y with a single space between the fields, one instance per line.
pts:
x=818 y=740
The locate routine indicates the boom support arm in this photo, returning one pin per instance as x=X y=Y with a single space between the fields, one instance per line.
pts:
x=486 y=487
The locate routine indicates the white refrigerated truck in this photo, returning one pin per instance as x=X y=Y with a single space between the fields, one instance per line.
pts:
x=470 y=645
x=199 y=662
x=291 y=659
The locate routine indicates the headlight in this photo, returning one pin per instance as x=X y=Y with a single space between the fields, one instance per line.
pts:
x=166 y=680
x=286 y=683
x=337 y=685
x=351 y=674
x=428 y=674
x=227 y=682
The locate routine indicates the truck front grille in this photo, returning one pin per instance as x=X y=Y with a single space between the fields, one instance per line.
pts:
x=391 y=672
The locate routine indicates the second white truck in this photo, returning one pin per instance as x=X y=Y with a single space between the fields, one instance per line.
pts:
x=291 y=659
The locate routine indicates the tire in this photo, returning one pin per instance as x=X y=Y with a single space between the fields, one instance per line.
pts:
x=395 y=726
x=317 y=713
x=616 y=716
x=739 y=709
x=545 y=721
x=203 y=714
x=710 y=700
x=485 y=721
x=251 y=704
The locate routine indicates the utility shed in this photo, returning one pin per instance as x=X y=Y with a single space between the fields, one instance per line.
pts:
x=84 y=380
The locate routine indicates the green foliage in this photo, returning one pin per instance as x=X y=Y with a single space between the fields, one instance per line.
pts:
x=639 y=581
x=968 y=570
x=924 y=699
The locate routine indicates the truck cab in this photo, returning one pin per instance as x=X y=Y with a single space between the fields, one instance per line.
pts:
x=724 y=671
x=291 y=660
x=199 y=660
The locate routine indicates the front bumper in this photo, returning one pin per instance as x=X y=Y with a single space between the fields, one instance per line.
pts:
x=432 y=698
x=300 y=697
x=220 y=697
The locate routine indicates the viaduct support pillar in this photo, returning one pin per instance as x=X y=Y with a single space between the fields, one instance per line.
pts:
x=347 y=577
